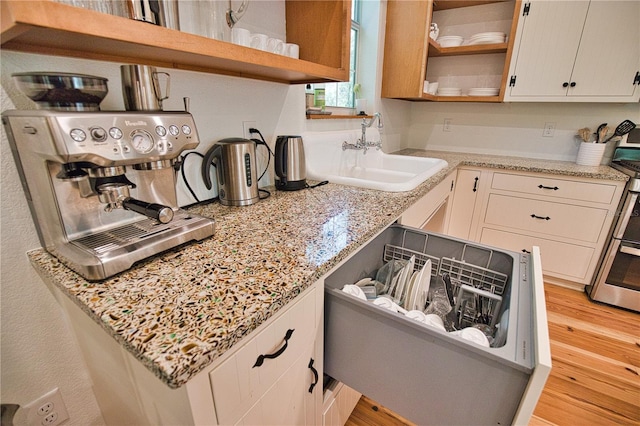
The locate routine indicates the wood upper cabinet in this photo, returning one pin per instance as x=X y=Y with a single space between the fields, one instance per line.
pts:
x=576 y=51
x=411 y=56
x=51 y=28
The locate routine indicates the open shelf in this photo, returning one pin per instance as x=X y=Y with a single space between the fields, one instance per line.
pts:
x=51 y=28
x=478 y=49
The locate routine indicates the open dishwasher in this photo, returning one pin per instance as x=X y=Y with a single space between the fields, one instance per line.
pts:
x=431 y=375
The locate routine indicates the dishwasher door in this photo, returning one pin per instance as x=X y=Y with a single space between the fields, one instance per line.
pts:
x=431 y=376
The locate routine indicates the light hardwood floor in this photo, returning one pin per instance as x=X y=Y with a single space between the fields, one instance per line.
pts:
x=595 y=375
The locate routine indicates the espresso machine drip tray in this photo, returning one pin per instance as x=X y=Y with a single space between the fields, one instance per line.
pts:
x=117 y=249
x=125 y=236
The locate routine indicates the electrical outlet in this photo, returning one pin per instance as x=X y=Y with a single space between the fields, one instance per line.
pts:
x=446 y=127
x=549 y=130
x=246 y=125
x=48 y=410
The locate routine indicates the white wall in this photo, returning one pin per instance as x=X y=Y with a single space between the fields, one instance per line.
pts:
x=512 y=128
x=38 y=351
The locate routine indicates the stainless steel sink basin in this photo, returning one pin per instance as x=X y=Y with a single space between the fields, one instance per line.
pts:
x=326 y=160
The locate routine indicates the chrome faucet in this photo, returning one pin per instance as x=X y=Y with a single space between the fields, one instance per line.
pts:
x=362 y=143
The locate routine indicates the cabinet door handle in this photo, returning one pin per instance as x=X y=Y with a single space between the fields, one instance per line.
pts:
x=573 y=84
x=555 y=188
x=276 y=354
x=315 y=376
x=475 y=184
x=565 y=84
x=526 y=251
x=540 y=217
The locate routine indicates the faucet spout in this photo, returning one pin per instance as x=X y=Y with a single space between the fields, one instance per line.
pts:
x=365 y=125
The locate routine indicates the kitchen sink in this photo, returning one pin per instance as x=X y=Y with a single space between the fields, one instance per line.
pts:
x=373 y=169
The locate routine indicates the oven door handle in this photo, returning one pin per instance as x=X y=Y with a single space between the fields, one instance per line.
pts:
x=633 y=251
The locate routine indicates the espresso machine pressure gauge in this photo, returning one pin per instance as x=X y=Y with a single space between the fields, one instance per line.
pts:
x=142 y=141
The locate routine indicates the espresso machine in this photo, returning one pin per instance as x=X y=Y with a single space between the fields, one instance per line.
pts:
x=101 y=187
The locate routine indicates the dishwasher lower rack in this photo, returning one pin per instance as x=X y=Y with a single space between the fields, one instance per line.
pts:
x=477 y=290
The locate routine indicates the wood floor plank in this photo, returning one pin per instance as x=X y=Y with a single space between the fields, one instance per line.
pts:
x=579 y=334
x=571 y=410
x=595 y=375
x=606 y=369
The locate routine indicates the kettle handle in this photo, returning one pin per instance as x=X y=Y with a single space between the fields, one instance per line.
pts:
x=213 y=153
x=280 y=157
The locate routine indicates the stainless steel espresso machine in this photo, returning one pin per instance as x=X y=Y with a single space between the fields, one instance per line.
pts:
x=101 y=186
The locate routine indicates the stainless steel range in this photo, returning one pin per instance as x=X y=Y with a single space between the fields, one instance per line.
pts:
x=618 y=280
x=101 y=185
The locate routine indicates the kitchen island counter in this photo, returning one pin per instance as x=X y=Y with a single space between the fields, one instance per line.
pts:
x=179 y=311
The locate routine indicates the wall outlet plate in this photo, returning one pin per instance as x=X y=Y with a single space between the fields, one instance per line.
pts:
x=48 y=410
x=246 y=125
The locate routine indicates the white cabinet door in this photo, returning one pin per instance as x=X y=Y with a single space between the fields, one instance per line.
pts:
x=292 y=398
x=464 y=202
x=547 y=49
x=609 y=54
x=244 y=382
x=576 y=51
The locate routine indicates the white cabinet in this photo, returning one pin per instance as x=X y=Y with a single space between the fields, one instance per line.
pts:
x=272 y=378
x=431 y=212
x=285 y=389
x=567 y=217
x=576 y=51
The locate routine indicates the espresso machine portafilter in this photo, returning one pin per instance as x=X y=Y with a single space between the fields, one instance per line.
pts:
x=101 y=186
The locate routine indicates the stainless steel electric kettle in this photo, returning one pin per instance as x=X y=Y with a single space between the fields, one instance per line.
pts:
x=235 y=162
x=290 y=168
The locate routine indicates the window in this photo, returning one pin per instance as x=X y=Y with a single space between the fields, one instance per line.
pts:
x=341 y=94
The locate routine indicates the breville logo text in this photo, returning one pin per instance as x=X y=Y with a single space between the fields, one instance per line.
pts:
x=135 y=123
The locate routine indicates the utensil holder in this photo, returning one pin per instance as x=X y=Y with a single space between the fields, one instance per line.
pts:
x=590 y=154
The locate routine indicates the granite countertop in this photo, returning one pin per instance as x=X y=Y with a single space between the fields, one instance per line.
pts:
x=179 y=311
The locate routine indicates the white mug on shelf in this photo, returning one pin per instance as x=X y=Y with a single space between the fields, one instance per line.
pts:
x=241 y=36
x=275 y=45
x=292 y=50
x=259 y=41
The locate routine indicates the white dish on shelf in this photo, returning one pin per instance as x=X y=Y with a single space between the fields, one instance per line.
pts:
x=484 y=91
x=450 y=41
x=450 y=91
x=486 y=38
x=489 y=34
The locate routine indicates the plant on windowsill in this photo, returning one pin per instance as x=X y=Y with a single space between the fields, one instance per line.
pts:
x=361 y=103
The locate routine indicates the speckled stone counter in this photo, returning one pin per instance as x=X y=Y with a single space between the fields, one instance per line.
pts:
x=179 y=311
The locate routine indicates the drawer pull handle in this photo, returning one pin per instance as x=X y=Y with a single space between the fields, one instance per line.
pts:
x=315 y=376
x=555 y=188
x=475 y=184
x=526 y=251
x=276 y=354
x=540 y=217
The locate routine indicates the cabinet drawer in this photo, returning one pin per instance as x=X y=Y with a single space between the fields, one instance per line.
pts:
x=558 y=258
x=544 y=217
x=237 y=384
x=552 y=187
